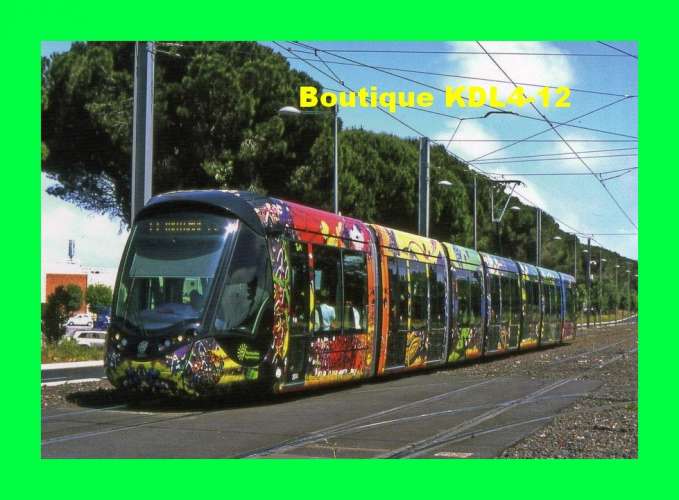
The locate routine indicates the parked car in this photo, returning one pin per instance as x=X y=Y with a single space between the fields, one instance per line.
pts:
x=103 y=321
x=89 y=338
x=80 y=320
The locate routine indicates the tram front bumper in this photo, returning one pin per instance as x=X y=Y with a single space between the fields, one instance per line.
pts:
x=197 y=368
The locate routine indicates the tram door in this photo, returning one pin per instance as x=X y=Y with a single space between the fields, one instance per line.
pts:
x=398 y=313
x=298 y=343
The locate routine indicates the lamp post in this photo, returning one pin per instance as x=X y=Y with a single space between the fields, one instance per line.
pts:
x=594 y=262
x=601 y=284
x=293 y=111
x=629 y=291
x=617 y=294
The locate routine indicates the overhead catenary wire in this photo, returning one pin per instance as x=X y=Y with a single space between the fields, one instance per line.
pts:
x=439 y=89
x=558 y=154
x=622 y=171
x=465 y=77
x=457 y=157
x=618 y=49
x=470 y=52
x=603 y=184
x=493 y=161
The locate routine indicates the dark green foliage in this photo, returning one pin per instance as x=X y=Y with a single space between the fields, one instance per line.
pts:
x=99 y=296
x=216 y=121
x=217 y=126
x=63 y=302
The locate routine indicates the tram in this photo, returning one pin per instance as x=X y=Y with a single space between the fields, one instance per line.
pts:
x=219 y=290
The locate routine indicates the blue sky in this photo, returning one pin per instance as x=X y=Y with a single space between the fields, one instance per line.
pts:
x=579 y=201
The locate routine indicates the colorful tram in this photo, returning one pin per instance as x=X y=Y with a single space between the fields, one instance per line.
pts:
x=219 y=290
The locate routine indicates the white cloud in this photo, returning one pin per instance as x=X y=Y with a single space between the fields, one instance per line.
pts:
x=99 y=239
x=550 y=70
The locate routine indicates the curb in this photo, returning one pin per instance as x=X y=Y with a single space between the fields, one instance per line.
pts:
x=73 y=364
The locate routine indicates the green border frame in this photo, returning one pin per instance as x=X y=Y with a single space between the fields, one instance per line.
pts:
x=27 y=24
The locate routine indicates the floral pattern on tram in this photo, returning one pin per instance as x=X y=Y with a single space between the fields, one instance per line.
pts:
x=281 y=301
x=197 y=368
x=312 y=225
x=530 y=300
x=466 y=340
x=570 y=310
x=330 y=358
x=504 y=320
x=419 y=343
x=409 y=246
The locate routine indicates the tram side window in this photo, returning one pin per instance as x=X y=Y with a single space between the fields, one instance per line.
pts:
x=246 y=292
x=475 y=296
x=355 y=291
x=571 y=301
x=527 y=286
x=463 y=298
x=418 y=283
x=533 y=299
x=516 y=299
x=437 y=291
x=557 y=302
x=327 y=289
x=495 y=298
x=398 y=290
x=299 y=287
x=506 y=294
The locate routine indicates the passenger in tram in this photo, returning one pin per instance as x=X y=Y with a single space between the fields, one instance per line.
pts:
x=326 y=316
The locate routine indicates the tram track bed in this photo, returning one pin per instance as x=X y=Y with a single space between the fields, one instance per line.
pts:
x=575 y=400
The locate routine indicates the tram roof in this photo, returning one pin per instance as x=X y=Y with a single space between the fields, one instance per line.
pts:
x=528 y=269
x=403 y=242
x=549 y=274
x=463 y=256
x=499 y=263
x=238 y=203
x=567 y=277
x=265 y=214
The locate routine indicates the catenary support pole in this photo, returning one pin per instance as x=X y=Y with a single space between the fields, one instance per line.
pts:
x=142 y=126
x=423 y=211
x=476 y=246
x=336 y=159
x=589 y=278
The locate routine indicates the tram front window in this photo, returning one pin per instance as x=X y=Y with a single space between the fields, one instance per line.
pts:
x=170 y=268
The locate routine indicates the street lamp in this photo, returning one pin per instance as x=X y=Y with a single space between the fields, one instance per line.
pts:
x=293 y=111
x=617 y=293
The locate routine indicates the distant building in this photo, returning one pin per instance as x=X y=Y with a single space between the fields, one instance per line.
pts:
x=65 y=273
x=55 y=280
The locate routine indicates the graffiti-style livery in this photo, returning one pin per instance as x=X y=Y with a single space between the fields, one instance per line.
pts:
x=225 y=289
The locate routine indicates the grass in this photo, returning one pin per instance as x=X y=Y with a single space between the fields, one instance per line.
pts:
x=594 y=318
x=70 y=351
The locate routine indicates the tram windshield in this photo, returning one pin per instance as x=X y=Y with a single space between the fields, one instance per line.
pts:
x=170 y=267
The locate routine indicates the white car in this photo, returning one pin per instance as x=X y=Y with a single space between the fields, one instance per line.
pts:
x=80 y=320
x=89 y=338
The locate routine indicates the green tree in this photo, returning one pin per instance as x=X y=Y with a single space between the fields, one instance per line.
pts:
x=216 y=121
x=99 y=296
x=63 y=302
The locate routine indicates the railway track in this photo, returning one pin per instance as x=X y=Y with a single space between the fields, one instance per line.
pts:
x=472 y=417
x=455 y=434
